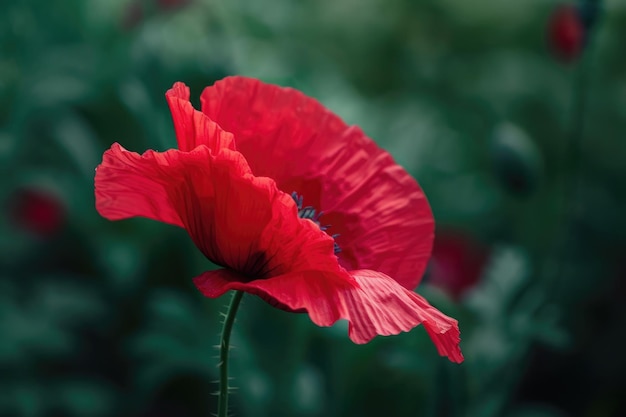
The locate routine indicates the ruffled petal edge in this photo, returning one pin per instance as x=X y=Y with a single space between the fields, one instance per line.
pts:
x=193 y=128
x=374 y=304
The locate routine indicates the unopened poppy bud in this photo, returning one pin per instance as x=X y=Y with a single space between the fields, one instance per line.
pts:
x=566 y=32
x=516 y=160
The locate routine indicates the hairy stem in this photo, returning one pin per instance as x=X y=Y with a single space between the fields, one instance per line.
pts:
x=222 y=401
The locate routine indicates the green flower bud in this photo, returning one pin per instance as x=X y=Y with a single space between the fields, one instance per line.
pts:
x=516 y=160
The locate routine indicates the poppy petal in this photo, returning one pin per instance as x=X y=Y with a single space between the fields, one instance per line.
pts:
x=193 y=128
x=128 y=185
x=236 y=219
x=275 y=124
x=313 y=291
x=377 y=305
x=392 y=309
x=382 y=217
x=215 y=198
x=380 y=214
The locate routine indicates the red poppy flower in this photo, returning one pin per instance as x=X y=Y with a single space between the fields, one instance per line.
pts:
x=457 y=263
x=37 y=211
x=230 y=186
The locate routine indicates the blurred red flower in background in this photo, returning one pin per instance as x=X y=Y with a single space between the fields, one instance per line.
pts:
x=457 y=263
x=566 y=32
x=37 y=211
x=245 y=167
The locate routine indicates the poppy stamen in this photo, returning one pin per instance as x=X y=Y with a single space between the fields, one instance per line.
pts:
x=309 y=212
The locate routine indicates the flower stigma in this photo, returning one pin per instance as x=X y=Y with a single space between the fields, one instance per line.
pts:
x=310 y=213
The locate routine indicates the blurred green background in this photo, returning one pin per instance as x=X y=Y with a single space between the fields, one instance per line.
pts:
x=519 y=148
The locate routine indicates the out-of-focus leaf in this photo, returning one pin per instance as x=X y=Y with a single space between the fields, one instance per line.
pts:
x=79 y=140
x=507 y=272
x=44 y=325
x=309 y=391
x=28 y=334
x=176 y=338
x=516 y=159
x=257 y=388
x=67 y=304
x=57 y=89
x=122 y=261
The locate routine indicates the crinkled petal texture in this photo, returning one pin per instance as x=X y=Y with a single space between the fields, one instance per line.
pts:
x=192 y=127
x=382 y=216
x=377 y=306
x=237 y=220
x=245 y=223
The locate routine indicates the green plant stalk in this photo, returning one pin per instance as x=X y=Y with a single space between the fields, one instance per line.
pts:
x=229 y=320
x=573 y=154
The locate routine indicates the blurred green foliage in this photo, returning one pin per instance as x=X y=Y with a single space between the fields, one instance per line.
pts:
x=101 y=318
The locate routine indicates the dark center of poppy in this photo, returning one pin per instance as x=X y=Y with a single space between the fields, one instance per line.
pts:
x=309 y=212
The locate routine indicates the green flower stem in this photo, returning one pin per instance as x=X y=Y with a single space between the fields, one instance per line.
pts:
x=229 y=320
x=573 y=151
